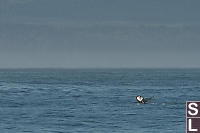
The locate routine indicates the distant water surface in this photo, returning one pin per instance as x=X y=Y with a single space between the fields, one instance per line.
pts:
x=95 y=100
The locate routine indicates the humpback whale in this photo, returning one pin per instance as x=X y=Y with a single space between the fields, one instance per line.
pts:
x=142 y=100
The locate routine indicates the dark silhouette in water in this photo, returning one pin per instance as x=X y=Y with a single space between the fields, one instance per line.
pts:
x=142 y=100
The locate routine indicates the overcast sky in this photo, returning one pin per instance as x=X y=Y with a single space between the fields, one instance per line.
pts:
x=99 y=33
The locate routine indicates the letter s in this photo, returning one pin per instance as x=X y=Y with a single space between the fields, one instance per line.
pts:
x=193 y=108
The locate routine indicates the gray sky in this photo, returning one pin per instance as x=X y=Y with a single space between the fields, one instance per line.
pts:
x=99 y=33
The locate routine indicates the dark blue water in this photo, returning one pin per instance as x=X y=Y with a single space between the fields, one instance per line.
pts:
x=96 y=101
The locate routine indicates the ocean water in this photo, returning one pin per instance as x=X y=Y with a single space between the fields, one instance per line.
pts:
x=95 y=100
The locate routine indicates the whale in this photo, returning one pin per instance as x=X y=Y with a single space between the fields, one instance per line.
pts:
x=142 y=100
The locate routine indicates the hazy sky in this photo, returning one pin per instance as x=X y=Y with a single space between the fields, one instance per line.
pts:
x=99 y=33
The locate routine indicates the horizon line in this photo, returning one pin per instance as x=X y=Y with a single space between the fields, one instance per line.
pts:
x=18 y=68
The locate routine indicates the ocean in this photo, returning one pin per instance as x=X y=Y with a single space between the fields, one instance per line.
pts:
x=95 y=100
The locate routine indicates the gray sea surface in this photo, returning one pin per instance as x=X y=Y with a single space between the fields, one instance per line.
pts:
x=95 y=100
